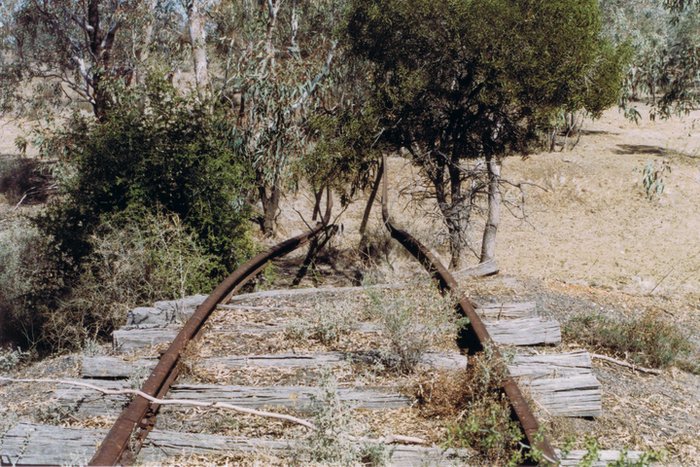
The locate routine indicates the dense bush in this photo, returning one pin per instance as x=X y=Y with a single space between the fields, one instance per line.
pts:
x=134 y=261
x=28 y=281
x=155 y=152
x=26 y=180
x=152 y=205
x=648 y=340
x=411 y=322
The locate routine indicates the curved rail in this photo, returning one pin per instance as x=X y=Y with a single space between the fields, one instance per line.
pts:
x=477 y=336
x=116 y=443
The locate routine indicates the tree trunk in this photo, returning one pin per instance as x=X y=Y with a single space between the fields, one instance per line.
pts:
x=450 y=206
x=270 y=200
x=370 y=202
x=273 y=7
x=198 y=38
x=488 y=244
x=143 y=51
x=318 y=196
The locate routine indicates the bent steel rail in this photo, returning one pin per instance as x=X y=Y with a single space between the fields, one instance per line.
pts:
x=116 y=443
x=477 y=336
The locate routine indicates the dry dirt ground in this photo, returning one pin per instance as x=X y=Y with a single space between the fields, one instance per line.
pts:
x=590 y=241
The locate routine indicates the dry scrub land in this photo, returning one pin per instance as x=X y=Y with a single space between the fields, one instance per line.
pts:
x=591 y=244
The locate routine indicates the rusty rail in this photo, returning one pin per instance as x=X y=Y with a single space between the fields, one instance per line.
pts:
x=116 y=443
x=476 y=336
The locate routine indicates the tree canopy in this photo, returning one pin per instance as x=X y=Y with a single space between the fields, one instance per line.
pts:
x=475 y=78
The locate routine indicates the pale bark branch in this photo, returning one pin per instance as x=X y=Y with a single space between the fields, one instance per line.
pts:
x=389 y=439
x=626 y=364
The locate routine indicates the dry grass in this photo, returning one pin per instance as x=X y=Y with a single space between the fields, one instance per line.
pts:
x=649 y=340
x=412 y=321
x=476 y=413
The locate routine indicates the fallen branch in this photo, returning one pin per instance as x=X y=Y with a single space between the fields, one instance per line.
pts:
x=626 y=364
x=390 y=439
x=20 y=202
x=487 y=268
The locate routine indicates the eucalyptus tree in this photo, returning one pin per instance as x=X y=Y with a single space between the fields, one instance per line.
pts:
x=665 y=64
x=75 y=47
x=475 y=79
x=276 y=58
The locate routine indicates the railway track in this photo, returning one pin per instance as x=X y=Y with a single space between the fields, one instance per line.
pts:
x=244 y=350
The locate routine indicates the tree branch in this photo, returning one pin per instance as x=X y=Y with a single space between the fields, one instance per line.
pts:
x=626 y=364
x=390 y=439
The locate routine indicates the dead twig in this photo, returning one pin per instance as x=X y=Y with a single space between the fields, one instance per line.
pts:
x=20 y=202
x=626 y=364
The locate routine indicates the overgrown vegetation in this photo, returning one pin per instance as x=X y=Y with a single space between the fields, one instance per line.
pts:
x=412 y=321
x=152 y=205
x=11 y=359
x=477 y=411
x=648 y=340
x=331 y=443
x=157 y=152
x=133 y=262
x=25 y=180
x=28 y=278
x=326 y=324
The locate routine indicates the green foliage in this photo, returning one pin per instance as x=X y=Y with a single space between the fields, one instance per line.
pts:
x=592 y=452
x=488 y=85
x=344 y=153
x=155 y=152
x=664 y=41
x=134 y=261
x=448 y=84
x=29 y=281
x=278 y=83
x=648 y=340
x=653 y=178
x=331 y=443
x=484 y=420
x=645 y=459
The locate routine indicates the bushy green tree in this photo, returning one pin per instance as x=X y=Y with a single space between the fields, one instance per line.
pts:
x=156 y=152
x=474 y=79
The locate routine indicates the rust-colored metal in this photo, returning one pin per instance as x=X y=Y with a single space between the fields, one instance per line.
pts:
x=477 y=336
x=116 y=443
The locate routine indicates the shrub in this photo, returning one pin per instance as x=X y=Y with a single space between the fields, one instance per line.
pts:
x=478 y=412
x=412 y=321
x=11 y=359
x=24 y=179
x=133 y=261
x=329 y=443
x=155 y=152
x=29 y=281
x=152 y=205
x=326 y=324
x=648 y=340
